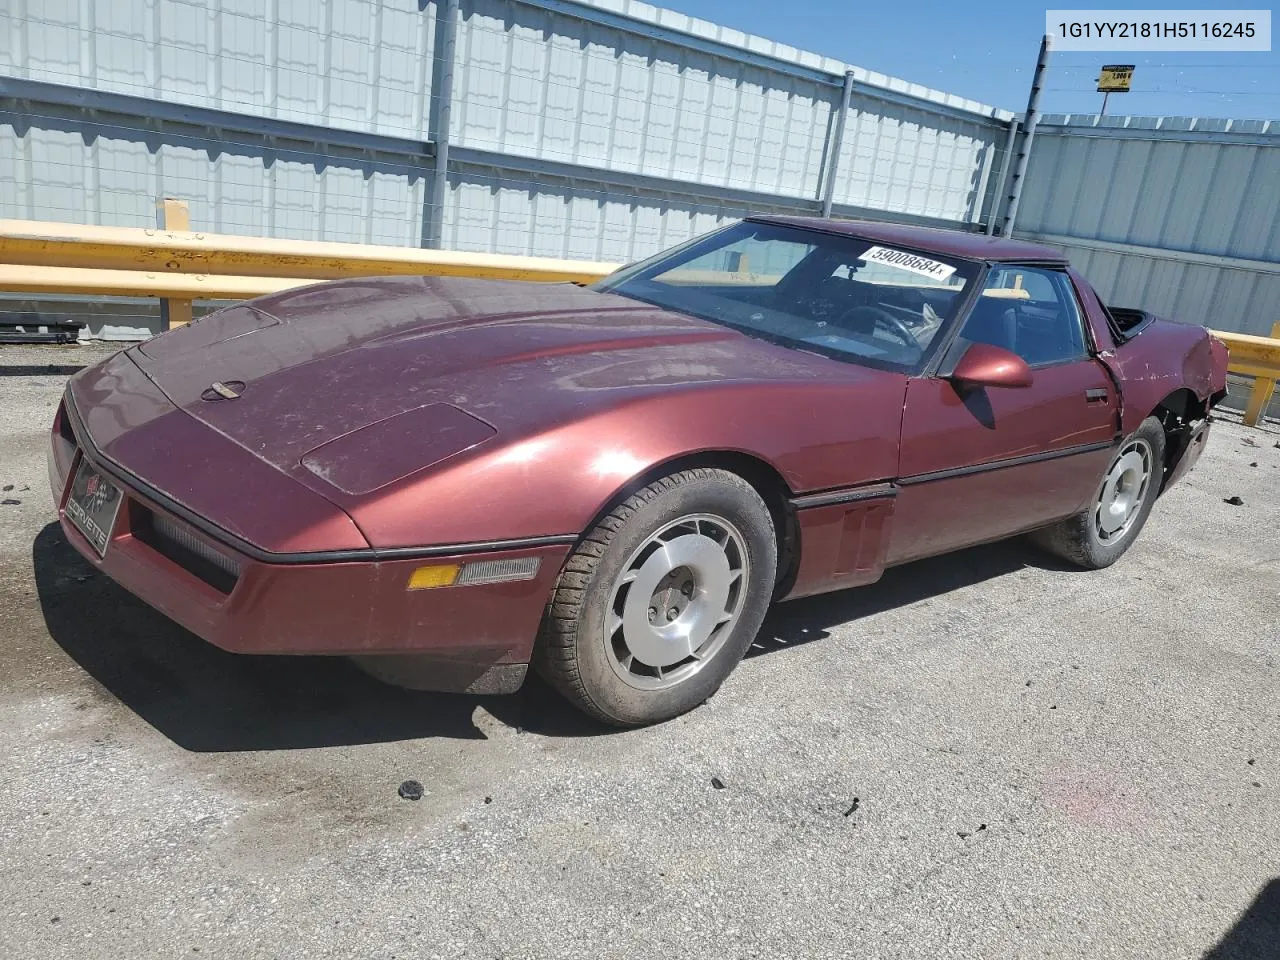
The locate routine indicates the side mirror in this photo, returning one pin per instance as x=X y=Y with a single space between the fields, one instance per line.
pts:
x=984 y=365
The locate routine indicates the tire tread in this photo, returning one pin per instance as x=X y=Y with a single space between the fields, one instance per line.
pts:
x=1072 y=539
x=555 y=653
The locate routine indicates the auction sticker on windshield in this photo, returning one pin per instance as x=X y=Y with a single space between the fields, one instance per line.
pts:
x=909 y=261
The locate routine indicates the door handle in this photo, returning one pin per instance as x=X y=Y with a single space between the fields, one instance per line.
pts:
x=1096 y=395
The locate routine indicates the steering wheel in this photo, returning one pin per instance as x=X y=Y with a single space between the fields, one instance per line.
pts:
x=824 y=302
x=885 y=320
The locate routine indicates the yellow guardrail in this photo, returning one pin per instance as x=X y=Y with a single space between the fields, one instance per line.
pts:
x=179 y=265
x=1257 y=357
x=139 y=283
x=193 y=253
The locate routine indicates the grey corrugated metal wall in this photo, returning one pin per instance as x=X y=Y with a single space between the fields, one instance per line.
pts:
x=605 y=129
x=602 y=129
x=1176 y=215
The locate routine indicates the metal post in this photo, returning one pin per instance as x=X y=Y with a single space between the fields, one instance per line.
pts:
x=1263 y=388
x=837 y=140
x=1003 y=179
x=442 y=93
x=1104 y=103
x=174 y=214
x=1029 y=122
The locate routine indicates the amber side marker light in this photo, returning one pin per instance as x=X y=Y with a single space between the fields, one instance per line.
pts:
x=442 y=575
x=476 y=572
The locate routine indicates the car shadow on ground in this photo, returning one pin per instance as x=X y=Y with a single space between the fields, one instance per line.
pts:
x=1256 y=934
x=804 y=621
x=40 y=369
x=207 y=700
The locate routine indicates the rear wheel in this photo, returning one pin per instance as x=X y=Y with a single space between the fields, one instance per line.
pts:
x=660 y=601
x=1100 y=535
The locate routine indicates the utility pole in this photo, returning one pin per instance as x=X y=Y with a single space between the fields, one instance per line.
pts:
x=837 y=138
x=1029 y=125
x=442 y=95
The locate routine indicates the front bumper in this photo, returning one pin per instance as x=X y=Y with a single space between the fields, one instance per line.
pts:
x=480 y=636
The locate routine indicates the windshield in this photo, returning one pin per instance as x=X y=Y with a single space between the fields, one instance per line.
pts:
x=841 y=296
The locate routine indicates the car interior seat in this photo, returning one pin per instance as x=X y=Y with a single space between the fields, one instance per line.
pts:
x=992 y=321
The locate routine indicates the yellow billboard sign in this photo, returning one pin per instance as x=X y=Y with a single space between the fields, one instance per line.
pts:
x=1115 y=78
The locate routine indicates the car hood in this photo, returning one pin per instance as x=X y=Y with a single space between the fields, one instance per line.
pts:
x=458 y=361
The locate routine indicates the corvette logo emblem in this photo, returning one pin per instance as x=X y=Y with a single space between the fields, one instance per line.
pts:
x=218 y=390
x=95 y=494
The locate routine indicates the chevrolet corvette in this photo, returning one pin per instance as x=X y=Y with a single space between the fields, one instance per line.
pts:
x=451 y=480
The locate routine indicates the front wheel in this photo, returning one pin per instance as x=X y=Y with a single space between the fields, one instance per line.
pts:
x=661 y=600
x=1100 y=535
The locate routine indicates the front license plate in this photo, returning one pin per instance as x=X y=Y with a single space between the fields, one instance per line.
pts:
x=93 y=505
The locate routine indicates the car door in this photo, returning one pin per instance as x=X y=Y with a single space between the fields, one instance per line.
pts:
x=980 y=463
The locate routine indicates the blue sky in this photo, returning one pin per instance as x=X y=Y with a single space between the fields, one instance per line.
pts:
x=987 y=52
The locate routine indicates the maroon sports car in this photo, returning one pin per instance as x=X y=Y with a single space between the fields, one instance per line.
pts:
x=453 y=479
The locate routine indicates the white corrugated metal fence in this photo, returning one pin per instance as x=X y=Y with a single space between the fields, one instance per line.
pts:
x=599 y=129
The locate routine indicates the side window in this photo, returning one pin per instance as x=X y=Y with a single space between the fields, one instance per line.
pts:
x=1030 y=311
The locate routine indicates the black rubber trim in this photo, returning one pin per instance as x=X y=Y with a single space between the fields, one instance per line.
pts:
x=1003 y=464
x=940 y=362
x=882 y=490
x=239 y=544
x=1035 y=262
x=850 y=495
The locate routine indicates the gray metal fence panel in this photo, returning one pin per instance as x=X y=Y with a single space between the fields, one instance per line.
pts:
x=493 y=209
x=1176 y=215
x=539 y=83
x=107 y=164
x=1215 y=196
x=358 y=64
x=618 y=86
x=607 y=128
x=895 y=159
x=542 y=79
x=1222 y=297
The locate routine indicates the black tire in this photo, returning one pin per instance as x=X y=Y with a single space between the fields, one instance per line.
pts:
x=574 y=652
x=1078 y=538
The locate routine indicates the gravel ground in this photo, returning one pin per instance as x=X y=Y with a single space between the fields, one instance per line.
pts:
x=985 y=755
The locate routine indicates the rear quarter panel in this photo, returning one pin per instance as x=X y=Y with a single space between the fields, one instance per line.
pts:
x=1164 y=358
x=1160 y=360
